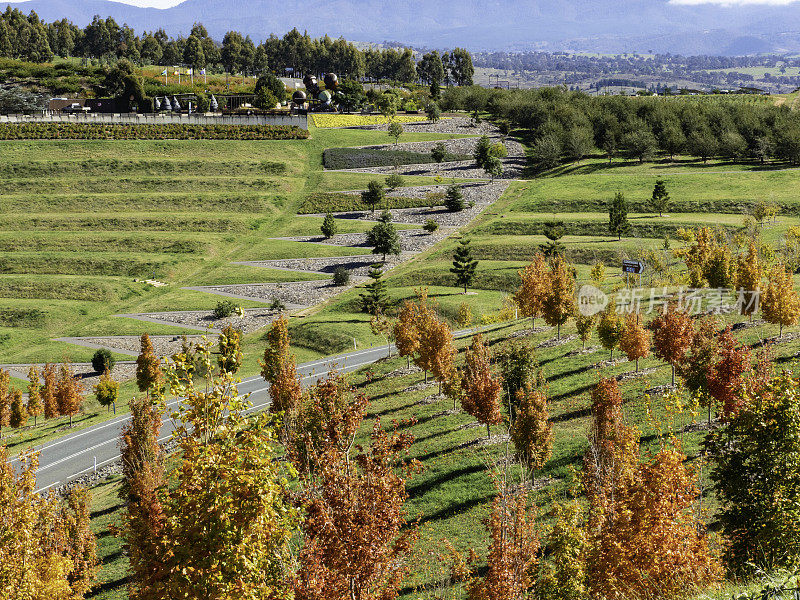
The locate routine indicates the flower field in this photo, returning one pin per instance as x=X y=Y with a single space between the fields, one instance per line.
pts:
x=328 y=120
x=101 y=131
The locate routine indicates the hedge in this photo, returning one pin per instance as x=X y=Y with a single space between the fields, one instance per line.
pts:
x=325 y=202
x=364 y=158
x=103 y=131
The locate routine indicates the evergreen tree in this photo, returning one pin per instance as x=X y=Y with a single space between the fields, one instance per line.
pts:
x=464 y=264
x=383 y=237
x=661 y=198
x=374 y=298
x=454 y=198
x=329 y=226
x=618 y=216
x=374 y=194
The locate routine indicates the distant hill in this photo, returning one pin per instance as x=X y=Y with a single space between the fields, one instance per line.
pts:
x=598 y=25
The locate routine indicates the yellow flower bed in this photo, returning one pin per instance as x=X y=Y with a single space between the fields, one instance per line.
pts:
x=324 y=121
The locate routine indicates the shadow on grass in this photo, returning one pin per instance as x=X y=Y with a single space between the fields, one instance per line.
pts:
x=108 y=586
x=418 y=490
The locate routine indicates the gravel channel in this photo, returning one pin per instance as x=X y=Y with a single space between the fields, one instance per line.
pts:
x=357 y=265
x=411 y=240
x=305 y=293
x=253 y=319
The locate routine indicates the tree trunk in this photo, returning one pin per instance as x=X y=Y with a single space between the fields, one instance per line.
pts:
x=558 y=331
x=637 y=365
x=426 y=375
x=488 y=432
x=673 y=375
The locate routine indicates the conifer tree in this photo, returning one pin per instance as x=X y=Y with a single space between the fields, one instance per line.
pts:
x=780 y=303
x=374 y=194
x=464 y=265
x=374 y=298
x=618 y=216
x=383 y=237
x=661 y=197
x=329 y=226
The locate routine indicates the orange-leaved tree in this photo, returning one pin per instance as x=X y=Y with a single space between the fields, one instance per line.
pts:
x=69 y=392
x=513 y=551
x=635 y=341
x=148 y=367
x=481 y=388
x=559 y=300
x=411 y=321
x=18 y=414
x=357 y=535
x=693 y=367
x=34 y=405
x=49 y=391
x=780 y=303
x=610 y=328
x=5 y=399
x=726 y=374
x=532 y=432
x=143 y=478
x=436 y=351
x=532 y=292
x=81 y=543
x=280 y=370
x=672 y=335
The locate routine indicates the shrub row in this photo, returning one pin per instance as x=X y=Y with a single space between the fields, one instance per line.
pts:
x=102 y=131
x=129 y=203
x=101 y=244
x=61 y=290
x=82 y=265
x=364 y=158
x=324 y=202
x=210 y=224
x=21 y=317
x=638 y=229
x=726 y=206
x=112 y=185
x=143 y=167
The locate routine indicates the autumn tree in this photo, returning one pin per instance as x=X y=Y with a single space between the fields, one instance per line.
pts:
x=748 y=280
x=532 y=432
x=143 y=478
x=148 y=368
x=33 y=555
x=559 y=300
x=563 y=575
x=464 y=264
x=413 y=316
x=780 y=303
x=5 y=399
x=18 y=416
x=610 y=328
x=672 y=334
x=635 y=341
x=482 y=389
x=279 y=369
x=107 y=390
x=49 y=391
x=708 y=257
x=226 y=481
x=382 y=325
x=726 y=373
x=34 y=406
x=584 y=324
x=327 y=420
x=693 y=368
x=81 y=542
x=230 y=349
x=532 y=292
x=356 y=532
x=69 y=392
x=756 y=477
x=513 y=550
x=517 y=362
x=436 y=351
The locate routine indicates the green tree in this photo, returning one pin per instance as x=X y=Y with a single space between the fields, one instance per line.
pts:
x=618 y=216
x=482 y=151
x=275 y=86
x=493 y=167
x=464 y=265
x=433 y=112
x=461 y=67
x=454 y=198
x=640 y=143
x=103 y=360
x=265 y=100
x=374 y=194
x=193 y=54
x=756 y=475
x=547 y=151
x=395 y=131
x=374 y=298
x=394 y=181
x=439 y=152
x=661 y=197
x=383 y=237
x=610 y=329
x=329 y=226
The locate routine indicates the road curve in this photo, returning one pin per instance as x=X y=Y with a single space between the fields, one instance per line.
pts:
x=94 y=447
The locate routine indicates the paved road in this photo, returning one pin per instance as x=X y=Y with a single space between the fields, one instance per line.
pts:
x=94 y=447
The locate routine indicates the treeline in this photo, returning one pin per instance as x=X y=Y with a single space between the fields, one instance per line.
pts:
x=565 y=125
x=28 y=38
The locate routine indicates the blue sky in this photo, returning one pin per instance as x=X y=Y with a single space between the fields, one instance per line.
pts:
x=154 y=3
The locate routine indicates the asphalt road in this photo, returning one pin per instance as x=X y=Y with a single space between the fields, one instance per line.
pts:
x=94 y=447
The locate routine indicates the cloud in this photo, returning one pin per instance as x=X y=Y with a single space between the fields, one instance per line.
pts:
x=735 y=2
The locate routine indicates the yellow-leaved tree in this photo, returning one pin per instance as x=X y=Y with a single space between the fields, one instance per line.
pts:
x=780 y=304
x=559 y=300
x=531 y=295
x=280 y=370
x=748 y=280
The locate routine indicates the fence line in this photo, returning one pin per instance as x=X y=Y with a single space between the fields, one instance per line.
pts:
x=158 y=119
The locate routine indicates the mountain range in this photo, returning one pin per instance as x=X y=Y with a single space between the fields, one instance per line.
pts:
x=573 y=25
